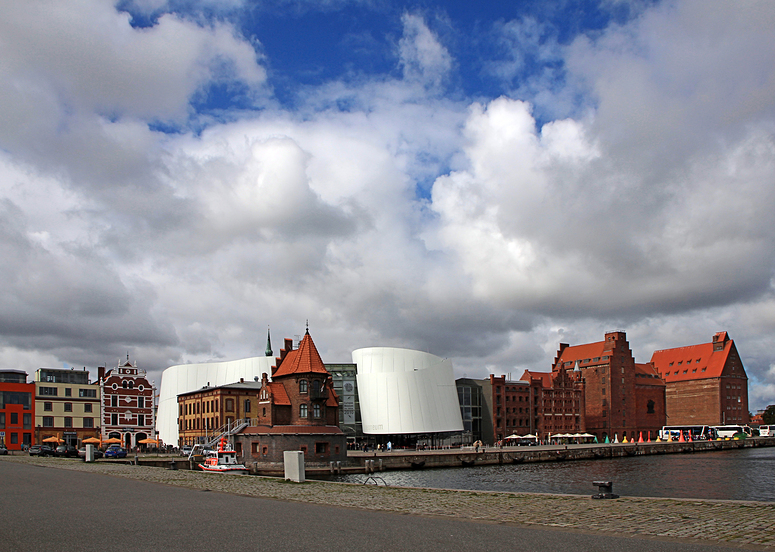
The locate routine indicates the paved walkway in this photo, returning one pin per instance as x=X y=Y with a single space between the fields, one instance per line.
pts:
x=735 y=523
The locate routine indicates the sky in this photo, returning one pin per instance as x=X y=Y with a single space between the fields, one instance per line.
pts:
x=481 y=181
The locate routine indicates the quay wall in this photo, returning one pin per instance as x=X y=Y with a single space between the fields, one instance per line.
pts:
x=369 y=462
x=517 y=455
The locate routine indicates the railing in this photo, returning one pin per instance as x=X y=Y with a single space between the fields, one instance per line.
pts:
x=228 y=429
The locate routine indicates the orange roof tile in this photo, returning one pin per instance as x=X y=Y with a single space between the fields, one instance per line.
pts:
x=588 y=351
x=303 y=360
x=279 y=395
x=692 y=362
x=647 y=375
x=545 y=377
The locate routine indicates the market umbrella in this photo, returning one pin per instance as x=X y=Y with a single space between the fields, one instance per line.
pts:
x=91 y=441
x=148 y=441
x=112 y=441
x=53 y=440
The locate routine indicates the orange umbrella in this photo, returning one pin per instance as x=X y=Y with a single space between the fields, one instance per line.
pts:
x=91 y=441
x=53 y=440
x=148 y=441
x=112 y=441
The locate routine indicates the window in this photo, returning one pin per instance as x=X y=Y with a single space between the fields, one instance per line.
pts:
x=141 y=419
x=88 y=422
x=48 y=421
x=316 y=410
x=229 y=405
x=14 y=438
x=320 y=448
x=247 y=405
x=303 y=386
x=87 y=407
x=68 y=407
x=114 y=400
x=114 y=419
x=87 y=393
x=303 y=411
x=68 y=421
x=49 y=391
x=123 y=384
x=48 y=407
x=650 y=407
x=140 y=402
x=27 y=421
x=15 y=418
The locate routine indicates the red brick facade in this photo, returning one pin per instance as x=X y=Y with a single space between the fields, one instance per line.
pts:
x=297 y=410
x=617 y=392
x=706 y=383
x=559 y=402
x=127 y=407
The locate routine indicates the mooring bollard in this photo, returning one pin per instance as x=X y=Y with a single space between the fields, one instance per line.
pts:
x=605 y=489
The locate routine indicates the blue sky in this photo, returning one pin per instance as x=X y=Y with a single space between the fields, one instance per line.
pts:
x=482 y=182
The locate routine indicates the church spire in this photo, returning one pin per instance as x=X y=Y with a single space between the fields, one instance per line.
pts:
x=268 y=351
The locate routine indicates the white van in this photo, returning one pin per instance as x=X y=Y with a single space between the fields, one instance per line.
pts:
x=767 y=431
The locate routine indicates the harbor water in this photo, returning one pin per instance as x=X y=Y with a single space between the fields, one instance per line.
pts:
x=740 y=474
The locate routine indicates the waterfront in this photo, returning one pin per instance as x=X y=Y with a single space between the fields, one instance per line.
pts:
x=739 y=474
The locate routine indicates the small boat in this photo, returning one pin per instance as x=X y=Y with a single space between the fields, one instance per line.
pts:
x=223 y=460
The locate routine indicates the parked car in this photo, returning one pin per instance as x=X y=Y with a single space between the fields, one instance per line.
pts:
x=114 y=451
x=185 y=450
x=68 y=451
x=41 y=450
x=3 y=450
x=82 y=453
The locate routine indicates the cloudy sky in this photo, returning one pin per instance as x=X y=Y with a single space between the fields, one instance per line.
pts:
x=478 y=182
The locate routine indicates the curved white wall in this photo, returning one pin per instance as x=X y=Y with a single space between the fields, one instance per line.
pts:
x=406 y=391
x=189 y=377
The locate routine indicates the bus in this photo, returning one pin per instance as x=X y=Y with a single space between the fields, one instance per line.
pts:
x=698 y=432
x=732 y=430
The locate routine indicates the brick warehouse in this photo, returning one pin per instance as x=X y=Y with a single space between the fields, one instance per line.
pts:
x=706 y=383
x=297 y=410
x=621 y=397
x=558 y=402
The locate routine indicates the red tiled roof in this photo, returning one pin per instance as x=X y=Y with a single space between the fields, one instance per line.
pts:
x=693 y=362
x=279 y=394
x=307 y=430
x=303 y=360
x=647 y=375
x=588 y=351
x=545 y=377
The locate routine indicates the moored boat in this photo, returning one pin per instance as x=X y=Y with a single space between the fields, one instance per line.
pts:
x=223 y=460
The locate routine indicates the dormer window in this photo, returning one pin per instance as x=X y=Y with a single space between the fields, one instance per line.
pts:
x=303 y=386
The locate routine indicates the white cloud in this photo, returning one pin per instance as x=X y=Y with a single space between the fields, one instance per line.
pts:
x=423 y=58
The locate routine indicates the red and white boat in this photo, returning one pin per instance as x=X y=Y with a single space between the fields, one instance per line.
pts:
x=223 y=460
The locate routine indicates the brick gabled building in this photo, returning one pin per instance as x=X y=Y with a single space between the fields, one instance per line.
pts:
x=621 y=398
x=706 y=383
x=558 y=402
x=297 y=410
x=127 y=407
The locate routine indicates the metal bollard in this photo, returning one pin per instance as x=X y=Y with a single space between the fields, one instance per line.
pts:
x=605 y=489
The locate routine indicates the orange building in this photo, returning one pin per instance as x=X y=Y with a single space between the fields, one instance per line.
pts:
x=205 y=414
x=706 y=383
x=17 y=409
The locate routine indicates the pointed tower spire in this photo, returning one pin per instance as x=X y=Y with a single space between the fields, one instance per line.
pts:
x=268 y=351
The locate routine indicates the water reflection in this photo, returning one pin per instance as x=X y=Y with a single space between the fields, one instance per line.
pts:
x=747 y=474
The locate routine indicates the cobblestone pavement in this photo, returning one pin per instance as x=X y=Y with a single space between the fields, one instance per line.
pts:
x=737 y=523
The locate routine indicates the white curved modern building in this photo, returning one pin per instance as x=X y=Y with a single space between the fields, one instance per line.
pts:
x=402 y=391
x=190 y=377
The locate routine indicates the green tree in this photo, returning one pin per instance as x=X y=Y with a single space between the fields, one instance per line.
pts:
x=769 y=415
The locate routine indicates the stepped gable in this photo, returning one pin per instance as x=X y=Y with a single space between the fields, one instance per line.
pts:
x=706 y=360
x=304 y=360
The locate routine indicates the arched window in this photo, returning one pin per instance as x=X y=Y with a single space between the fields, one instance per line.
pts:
x=303 y=411
x=303 y=386
x=123 y=384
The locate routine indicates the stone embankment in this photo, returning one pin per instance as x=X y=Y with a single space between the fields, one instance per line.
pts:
x=406 y=460
x=735 y=523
